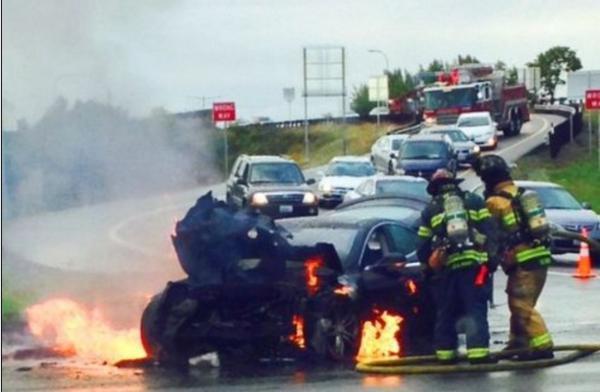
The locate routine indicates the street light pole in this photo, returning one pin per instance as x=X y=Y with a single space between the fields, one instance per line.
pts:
x=381 y=52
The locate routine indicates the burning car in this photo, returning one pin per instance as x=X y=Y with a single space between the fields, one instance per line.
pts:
x=256 y=289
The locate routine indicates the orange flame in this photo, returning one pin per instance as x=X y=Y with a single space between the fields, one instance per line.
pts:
x=343 y=290
x=312 y=280
x=411 y=286
x=298 y=336
x=66 y=325
x=379 y=336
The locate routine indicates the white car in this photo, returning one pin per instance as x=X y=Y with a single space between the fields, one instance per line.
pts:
x=343 y=174
x=384 y=152
x=408 y=186
x=479 y=127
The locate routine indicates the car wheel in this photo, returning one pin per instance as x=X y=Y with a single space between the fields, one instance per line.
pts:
x=149 y=329
x=336 y=334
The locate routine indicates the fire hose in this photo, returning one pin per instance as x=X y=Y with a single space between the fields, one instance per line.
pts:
x=426 y=364
x=556 y=232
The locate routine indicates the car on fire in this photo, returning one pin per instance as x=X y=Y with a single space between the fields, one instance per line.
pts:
x=299 y=287
x=272 y=185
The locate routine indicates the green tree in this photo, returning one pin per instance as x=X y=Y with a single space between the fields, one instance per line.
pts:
x=500 y=65
x=552 y=63
x=512 y=76
x=397 y=84
x=468 y=59
x=435 y=66
x=360 y=101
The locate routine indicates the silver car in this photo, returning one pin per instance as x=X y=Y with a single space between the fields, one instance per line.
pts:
x=384 y=152
x=408 y=186
x=565 y=211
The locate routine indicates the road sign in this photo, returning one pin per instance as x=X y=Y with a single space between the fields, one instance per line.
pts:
x=223 y=111
x=592 y=99
x=378 y=89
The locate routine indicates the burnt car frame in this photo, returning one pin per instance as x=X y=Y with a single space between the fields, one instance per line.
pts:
x=280 y=293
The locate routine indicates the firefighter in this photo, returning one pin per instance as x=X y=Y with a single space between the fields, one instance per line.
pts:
x=455 y=237
x=525 y=254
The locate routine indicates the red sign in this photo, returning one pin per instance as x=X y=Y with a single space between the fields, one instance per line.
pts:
x=592 y=99
x=223 y=111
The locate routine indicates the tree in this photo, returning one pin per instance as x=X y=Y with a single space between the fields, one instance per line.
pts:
x=468 y=59
x=500 y=65
x=512 y=76
x=552 y=63
x=360 y=101
x=435 y=66
x=397 y=84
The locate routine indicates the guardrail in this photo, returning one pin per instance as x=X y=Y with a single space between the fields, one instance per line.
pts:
x=567 y=130
x=350 y=119
x=411 y=129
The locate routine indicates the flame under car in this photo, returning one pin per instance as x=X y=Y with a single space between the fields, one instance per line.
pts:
x=256 y=289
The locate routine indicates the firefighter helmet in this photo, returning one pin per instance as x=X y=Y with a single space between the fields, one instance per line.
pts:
x=439 y=178
x=489 y=167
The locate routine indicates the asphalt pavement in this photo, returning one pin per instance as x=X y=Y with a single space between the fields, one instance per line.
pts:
x=128 y=244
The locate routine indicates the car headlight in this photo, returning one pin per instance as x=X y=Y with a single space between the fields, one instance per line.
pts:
x=259 y=199
x=325 y=187
x=309 y=198
x=476 y=149
x=429 y=120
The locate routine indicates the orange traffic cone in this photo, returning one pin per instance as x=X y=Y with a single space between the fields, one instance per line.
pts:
x=584 y=269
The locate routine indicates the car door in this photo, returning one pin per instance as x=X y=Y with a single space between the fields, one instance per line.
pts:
x=240 y=187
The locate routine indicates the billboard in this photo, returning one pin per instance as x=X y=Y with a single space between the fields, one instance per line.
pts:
x=580 y=81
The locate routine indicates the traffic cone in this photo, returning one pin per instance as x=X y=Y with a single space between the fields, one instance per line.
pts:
x=584 y=269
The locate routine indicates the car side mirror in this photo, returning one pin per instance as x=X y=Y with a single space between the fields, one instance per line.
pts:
x=311 y=181
x=393 y=155
x=240 y=181
x=586 y=205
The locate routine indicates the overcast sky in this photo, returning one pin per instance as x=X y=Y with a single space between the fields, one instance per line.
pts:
x=145 y=54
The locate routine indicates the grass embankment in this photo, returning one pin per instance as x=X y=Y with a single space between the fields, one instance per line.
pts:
x=13 y=305
x=326 y=141
x=575 y=168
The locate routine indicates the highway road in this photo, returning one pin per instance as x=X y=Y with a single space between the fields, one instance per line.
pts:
x=122 y=252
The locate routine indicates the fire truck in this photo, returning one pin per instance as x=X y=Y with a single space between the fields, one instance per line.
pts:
x=476 y=88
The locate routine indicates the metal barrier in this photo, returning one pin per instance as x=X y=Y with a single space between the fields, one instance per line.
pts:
x=565 y=131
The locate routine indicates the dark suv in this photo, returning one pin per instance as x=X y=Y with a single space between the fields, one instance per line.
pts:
x=422 y=155
x=272 y=185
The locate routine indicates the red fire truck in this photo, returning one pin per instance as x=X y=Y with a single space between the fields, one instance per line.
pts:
x=476 y=88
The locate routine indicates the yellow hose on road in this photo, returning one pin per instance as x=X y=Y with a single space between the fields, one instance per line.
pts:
x=427 y=364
